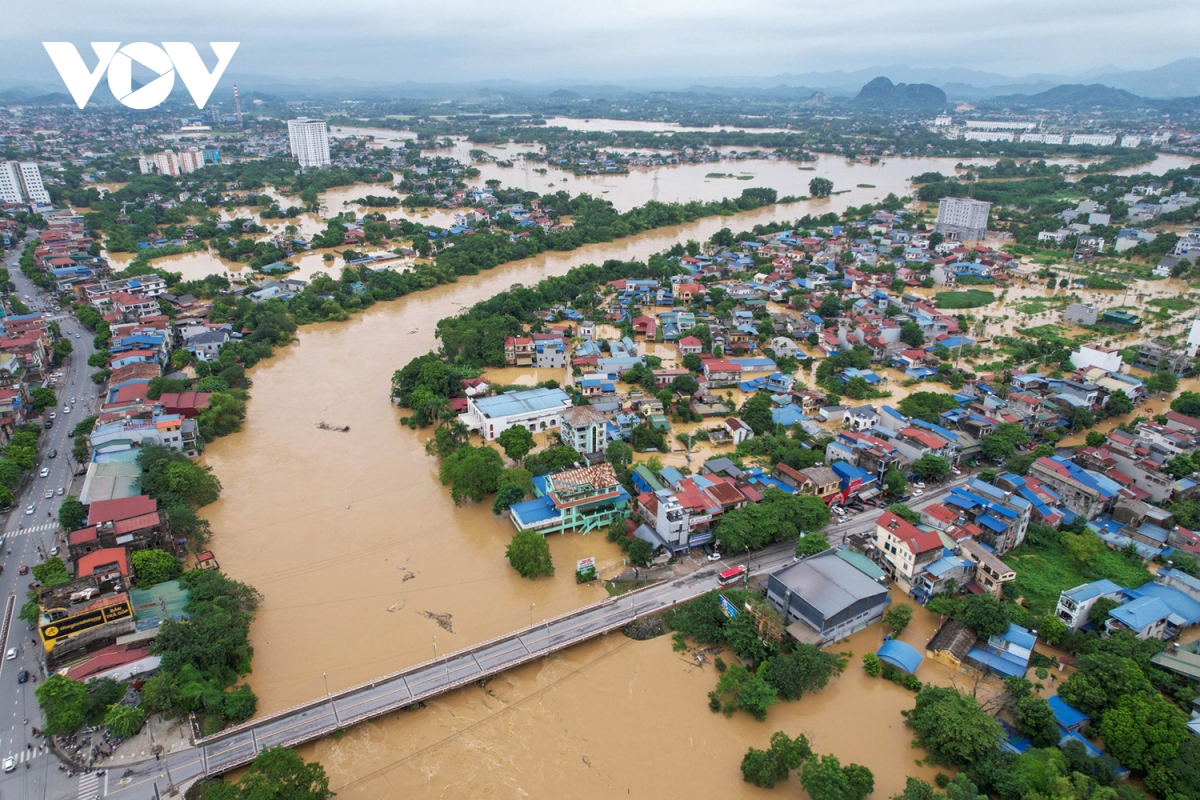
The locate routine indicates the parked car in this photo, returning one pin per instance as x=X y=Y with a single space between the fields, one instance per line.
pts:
x=80 y=471
x=53 y=414
x=35 y=584
x=919 y=484
x=918 y=492
x=11 y=655
x=49 y=424
x=54 y=551
x=714 y=556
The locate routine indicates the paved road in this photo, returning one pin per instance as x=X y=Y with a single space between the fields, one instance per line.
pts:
x=27 y=538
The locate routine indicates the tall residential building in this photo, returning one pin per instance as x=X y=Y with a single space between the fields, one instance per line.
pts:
x=962 y=218
x=310 y=142
x=21 y=182
x=168 y=162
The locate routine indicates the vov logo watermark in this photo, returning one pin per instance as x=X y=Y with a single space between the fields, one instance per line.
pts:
x=164 y=61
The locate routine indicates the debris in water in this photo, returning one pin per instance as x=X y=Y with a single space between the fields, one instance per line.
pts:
x=444 y=621
x=325 y=426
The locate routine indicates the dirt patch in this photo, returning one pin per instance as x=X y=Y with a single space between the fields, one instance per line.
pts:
x=645 y=628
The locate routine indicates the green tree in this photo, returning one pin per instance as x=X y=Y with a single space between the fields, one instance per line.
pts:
x=1035 y=720
x=52 y=571
x=805 y=669
x=640 y=552
x=811 y=543
x=1188 y=404
x=872 y=665
x=472 y=472
x=1178 y=778
x=952 y=727
x=931 y=467
x=1118 y=404
x=507 y=496
x=42 y=398
x=517 y=441
x=984 y=614
x=72 y=514
x=1101 y=679
x=1083 y=547
x=927 y=406
x=154 y=566
x=619 y=454
x=529 y=554
x=276 y=773
x=1095 y=439
x=895 y=484
x=820 y=187
x=124 y=721
x=824 y=778
x=897 y=617
x=64 y=704
x=905 y=513
x=685 y=385
x=756 y=412
x=917 y=789
x=911 y=334
x=1143 y=731
x=765 y=768
x=224 y=415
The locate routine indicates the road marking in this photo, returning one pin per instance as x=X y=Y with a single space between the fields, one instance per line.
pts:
x=89 y=786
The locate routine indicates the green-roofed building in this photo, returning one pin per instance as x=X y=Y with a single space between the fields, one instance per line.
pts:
x=161 y=601
x=863 y=564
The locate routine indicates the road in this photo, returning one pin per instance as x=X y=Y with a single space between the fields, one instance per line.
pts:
x=27 y=538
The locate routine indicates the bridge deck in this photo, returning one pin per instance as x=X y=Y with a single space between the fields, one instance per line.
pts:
x=238 y=746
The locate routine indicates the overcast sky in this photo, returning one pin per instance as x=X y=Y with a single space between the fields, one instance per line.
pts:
x=399 y=40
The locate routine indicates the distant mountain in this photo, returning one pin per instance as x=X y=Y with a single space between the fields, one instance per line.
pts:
x=1178 y=79
x=882 y=93
x=1077 y=97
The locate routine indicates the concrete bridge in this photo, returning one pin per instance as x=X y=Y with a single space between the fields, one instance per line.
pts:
x=237 y=747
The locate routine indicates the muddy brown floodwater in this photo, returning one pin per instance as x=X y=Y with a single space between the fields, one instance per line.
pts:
x=355 y=545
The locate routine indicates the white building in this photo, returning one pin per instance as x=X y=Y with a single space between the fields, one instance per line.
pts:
x=309 y=140
x=1193 y=339
x=535 y=409
x=168 y=162
x=1129 y=140
x=1097 y=139
x=989 y=136
x=1000 y=125
x=21 y=182
x=962 y=218
x=1088 y=356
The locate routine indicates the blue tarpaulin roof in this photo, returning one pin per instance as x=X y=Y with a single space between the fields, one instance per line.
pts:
x=1067 y=715
x=900 y=655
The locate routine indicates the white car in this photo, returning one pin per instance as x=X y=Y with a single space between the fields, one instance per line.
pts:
x=45 y=473
x=66 y=409
x=49 y=495
x=61 y=491
x=956 y=470
x=714 y=556
x=72 y=401
x=28 y=509
x=11 y=655
x=918 y=492
x=10 y=764
x=919 y=485
x=53 y=415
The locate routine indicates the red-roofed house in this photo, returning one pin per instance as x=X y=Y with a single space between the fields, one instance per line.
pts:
x=645 y=326
x=690 y=345
x=906 y=549
x=103 y=562
x=186 y=404
x=122 y=508
x=519 y=351
x=720 y=372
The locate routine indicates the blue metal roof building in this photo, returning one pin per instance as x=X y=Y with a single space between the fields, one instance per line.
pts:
x=900 y=655
x=1068 y=717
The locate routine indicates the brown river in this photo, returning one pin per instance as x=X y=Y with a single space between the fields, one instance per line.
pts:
x=366 y=567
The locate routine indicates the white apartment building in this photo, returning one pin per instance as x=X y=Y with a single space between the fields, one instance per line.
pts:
x=168 y=162
x=21 y=182
x=309 y=140
x=1098 y=139
x=962 y=218
x=1041 y=138
x=989 y=136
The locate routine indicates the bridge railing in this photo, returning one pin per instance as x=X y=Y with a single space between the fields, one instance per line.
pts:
x=310 y=704
x=213 y=767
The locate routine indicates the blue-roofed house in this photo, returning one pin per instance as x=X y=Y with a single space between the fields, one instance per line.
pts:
x=787 y=416
x=1006 y=655
x=583 y=499
x=1146 y=617
x=1067 y=716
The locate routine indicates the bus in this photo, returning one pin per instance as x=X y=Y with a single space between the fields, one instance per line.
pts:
x=731 y=576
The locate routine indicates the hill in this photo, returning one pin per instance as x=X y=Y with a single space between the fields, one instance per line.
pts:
x=882 y=93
